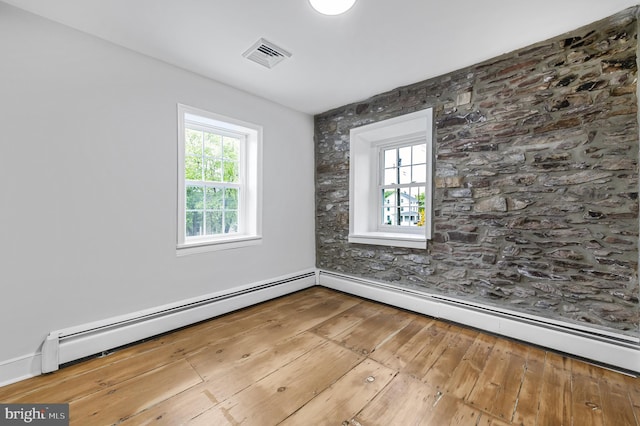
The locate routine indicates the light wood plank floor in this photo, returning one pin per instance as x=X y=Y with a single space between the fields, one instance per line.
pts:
x=322 y=357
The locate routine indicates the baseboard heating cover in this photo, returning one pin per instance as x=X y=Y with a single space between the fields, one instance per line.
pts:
x=70 y=344
x=609 y=348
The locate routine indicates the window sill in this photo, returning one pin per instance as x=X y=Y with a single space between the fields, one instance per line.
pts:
x=216 y=245
x=390 y=239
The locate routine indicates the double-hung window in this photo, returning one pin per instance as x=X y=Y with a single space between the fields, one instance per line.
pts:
x=402 y=182
x=218 y=184
x=390 y=181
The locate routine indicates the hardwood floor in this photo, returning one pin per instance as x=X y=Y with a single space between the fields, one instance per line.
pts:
x=322 y=357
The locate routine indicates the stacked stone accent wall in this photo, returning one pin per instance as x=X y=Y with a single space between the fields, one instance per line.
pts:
x=536 y=181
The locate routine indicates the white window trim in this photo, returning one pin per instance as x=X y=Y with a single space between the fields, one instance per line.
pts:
x=364 y=203
x=250 y=204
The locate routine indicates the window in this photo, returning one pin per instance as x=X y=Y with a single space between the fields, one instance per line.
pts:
x=402 y=180
x=219 y=194
x=390 y=181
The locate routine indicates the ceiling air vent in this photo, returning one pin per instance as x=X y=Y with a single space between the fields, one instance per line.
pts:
x=266 y=53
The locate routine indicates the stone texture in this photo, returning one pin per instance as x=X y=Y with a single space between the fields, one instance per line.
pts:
x=536 y=181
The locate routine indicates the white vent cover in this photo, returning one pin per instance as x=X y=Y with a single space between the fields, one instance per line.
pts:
x=266 y=53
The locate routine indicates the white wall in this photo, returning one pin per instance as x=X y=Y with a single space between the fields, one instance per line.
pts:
x=88 y=183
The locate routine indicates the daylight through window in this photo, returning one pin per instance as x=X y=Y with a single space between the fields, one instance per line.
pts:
x=218 y=181
x=402 y=187
x=213 y=182
x=391 y=181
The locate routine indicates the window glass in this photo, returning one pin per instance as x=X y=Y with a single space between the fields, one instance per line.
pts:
x=211 y=164
x=219 y=182
x=404 y=174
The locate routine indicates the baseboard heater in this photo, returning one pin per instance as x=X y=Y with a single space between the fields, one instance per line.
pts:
x=70 y=344
x=601 y=346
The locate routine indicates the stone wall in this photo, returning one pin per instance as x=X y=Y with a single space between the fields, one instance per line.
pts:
x=536 y=181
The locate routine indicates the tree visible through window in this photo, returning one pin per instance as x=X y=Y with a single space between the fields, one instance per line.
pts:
x=219 y=185
x=212 y=182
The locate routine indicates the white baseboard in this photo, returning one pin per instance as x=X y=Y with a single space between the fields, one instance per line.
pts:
x=84 y=340
x=21 y=368
x=62 y=346
x=603 y=347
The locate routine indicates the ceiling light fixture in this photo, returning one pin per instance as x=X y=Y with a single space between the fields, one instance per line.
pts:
x=332 y=7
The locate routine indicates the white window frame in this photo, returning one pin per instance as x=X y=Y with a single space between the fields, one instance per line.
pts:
x=365 y=206
x=250 y=182
x=394 y=144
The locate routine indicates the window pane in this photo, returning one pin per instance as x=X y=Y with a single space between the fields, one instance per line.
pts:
x=417 y=205
x=231 y=198
x=389 y=207
x=419 y=173
x=231 y=172
x=389 y=197
x=194 y=223
x=390 y=176
x=212 y=145
x=214 y=199
x=389 y=217
x=419 y=154
x=214 y=223
x=193 y=168
x=231 y=148
x=405 y=174
x=193 y=142
x=404 y=200
x=195 y=198
x=212 y=170
x=404 y=156
x=406 y=208
x=417 y=192
x=230 y=221
x=390 y=158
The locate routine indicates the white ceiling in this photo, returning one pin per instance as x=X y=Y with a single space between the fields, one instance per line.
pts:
x=376 y=46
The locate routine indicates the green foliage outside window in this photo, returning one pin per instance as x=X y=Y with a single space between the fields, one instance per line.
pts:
x=211 y=161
